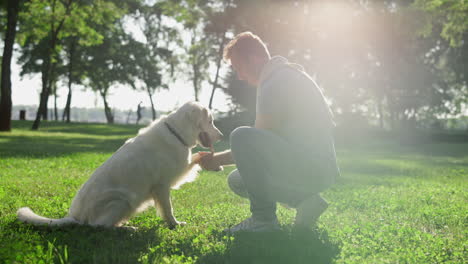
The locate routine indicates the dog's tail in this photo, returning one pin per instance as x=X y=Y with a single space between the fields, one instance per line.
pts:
x=26 y=215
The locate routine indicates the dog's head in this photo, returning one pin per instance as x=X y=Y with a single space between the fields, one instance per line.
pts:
x=201 y=118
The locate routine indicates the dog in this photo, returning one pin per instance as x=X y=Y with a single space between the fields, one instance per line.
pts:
x=141 y=173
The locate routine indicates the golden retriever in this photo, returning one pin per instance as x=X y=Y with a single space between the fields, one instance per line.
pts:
x=141 y=172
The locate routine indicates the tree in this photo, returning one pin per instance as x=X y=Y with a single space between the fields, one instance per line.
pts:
x=219 y=22
x=111 y=63
x=243 y=96
x=5 y=89
x=370 y=62
x=53 y=20
x=155 y=59
x=71 y=48
x=191 y=15
x=197 y=58
x=445 y=28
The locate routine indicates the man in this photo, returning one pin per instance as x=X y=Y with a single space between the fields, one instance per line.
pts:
x=139 y=113
x=289 y=155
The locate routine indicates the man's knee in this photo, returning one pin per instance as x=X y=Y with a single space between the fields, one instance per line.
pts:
x=241 y=138
x=236 y=184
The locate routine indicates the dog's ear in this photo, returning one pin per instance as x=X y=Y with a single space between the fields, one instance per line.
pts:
x=197 y=115
x=193 y=115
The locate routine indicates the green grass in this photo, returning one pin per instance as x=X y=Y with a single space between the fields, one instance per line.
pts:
x=393 y=204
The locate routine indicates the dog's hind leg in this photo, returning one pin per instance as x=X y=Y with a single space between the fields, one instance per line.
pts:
x=162 y=199
x=112 y=213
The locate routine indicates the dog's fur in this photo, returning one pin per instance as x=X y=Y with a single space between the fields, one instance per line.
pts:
x=141 y=172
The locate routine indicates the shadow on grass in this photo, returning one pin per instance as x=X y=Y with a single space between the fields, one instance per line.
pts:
x=286 y=246
x=54 y=146
x=50 y=146
x=391 y=148
x=371 y=172
x=83 y=244
x=80 y=244
x=96 y=129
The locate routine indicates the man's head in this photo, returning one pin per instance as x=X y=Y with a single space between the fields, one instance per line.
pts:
x=247 y=54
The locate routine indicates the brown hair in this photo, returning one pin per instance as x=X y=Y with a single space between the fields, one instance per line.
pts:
x=245 y=44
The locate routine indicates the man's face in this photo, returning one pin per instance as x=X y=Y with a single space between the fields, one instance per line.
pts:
x=244 y=69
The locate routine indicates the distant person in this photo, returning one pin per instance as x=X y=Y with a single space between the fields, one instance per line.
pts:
x=139 y=109
x=289 y=155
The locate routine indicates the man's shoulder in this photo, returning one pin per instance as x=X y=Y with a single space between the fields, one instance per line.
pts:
x=282 y=74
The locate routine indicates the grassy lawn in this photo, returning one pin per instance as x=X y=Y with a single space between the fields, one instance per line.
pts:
x=393 y=204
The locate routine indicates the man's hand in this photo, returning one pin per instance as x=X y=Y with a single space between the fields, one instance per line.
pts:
x=209 y=161
x=197 y=156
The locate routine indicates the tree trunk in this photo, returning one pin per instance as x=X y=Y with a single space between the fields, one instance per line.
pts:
x=195 y=66
x=44 y=94
x=66 y=111
x=53 y=90
x=48 y=69
x=5 y=89
x=218 y=67
x=107 y=109
x=45 y=109
x=50 y=78
x=195 y=80
x=153 y=111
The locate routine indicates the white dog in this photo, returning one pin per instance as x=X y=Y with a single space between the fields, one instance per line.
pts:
x=141 y=172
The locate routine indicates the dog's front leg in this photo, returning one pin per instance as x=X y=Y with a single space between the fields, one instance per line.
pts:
x=162 y=199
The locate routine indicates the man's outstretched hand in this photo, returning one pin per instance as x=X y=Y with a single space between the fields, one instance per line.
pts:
x=208 y=161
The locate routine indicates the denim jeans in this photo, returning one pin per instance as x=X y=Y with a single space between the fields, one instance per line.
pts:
x=273 y=170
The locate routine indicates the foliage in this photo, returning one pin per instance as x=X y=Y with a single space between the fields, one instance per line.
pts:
x=371 y=62
x=48 y=22
x=75 y=17
x=243 y=96
x=393 y=203
x=396 y=63
x=156 y=60
x=111 y=63
x=445 y=18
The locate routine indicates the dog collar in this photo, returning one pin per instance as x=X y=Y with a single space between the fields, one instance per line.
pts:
x=176 y=134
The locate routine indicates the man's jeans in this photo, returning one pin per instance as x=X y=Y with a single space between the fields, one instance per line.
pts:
x=270 y=170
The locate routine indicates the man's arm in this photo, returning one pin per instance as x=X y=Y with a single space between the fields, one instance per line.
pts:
x=213 y=162
x=224 y=158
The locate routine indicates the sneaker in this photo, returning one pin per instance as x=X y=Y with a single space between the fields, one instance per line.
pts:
x=254 y=225
x=309 y=211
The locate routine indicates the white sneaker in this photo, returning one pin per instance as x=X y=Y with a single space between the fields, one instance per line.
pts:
x=254 y=225
x=309 y=211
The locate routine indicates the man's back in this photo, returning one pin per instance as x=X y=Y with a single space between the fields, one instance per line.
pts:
x=291 y=97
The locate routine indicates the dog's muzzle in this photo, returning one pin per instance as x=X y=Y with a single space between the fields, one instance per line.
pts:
x=205 y=139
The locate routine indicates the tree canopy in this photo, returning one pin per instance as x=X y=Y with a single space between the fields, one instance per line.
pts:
x=395 y=63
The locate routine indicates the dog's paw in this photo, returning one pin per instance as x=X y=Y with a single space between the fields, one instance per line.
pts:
x=176 y=224
x=130 y=229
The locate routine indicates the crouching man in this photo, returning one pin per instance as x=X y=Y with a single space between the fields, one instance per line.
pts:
x=289 y=155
